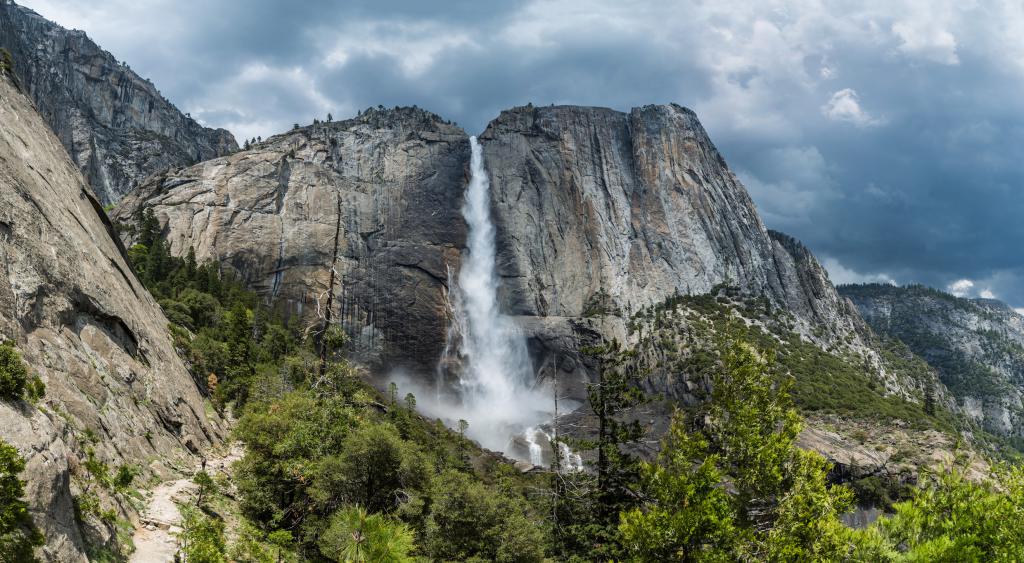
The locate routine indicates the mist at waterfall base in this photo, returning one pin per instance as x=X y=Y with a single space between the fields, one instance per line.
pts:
x=496 y=391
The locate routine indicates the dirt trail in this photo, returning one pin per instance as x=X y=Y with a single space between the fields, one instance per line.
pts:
x=156 y=538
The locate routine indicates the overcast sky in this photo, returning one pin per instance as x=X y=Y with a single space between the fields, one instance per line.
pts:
x=887 y=135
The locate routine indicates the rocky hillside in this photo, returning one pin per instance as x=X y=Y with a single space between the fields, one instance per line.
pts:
x=378 y=197
x=117 y=395
x=977 y=346
x=116 y=126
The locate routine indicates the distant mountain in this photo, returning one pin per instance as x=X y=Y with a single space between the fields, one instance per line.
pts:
x=977 y=345
x=116 y=126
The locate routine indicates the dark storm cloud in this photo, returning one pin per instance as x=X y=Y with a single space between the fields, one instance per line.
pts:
x=884 y=134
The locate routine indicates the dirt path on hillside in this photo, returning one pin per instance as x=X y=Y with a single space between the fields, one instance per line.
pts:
x=155 y=537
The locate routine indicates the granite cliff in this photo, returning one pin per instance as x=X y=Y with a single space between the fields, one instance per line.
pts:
x=84 y=324
x=976 y=345
x=378 y=197
x=598 y=213
x=116 y=126
x=601 y=212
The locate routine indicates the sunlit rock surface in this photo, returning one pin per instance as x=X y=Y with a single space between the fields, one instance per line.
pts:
x=597 y=213
x=84 y=324
x=389 y=184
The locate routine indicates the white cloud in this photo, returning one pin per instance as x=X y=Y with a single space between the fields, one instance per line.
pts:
x=924 y=32
x=987 y=294
x=845 y=106
x=1020 y=311
x=239 y=97
x=841 y=275
x=961 y=288
x=415 y=46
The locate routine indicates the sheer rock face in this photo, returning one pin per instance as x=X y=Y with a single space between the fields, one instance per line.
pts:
x=389 y=183
x=976 y=345
x=600 y=212
x=87 y=327
x=602 y=209
x=115 y=125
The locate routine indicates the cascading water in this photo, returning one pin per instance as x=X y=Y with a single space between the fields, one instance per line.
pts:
x=536 y=450
x=485 y=360
x=537 y=440
x=496 y=383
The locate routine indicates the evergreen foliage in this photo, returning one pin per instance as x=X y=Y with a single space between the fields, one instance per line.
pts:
x=223 y=331
x=731 y=483
x=202 y=537
x=357 y=536
x=953 y=518
x=14 y=376
x=586 y=505
x=18 y=534
x=6 y=62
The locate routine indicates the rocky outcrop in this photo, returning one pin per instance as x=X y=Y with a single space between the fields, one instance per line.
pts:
x=91 y=332
x=976 y=345
x=378 y=197
x=115 y=125
x=597 y=212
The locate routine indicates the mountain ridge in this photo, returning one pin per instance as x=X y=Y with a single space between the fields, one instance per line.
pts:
x=116 y=126
x=590 y=205
x=977 y=345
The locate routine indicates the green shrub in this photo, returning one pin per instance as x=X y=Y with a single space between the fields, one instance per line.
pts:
x=18 y=534
x=6 y=62
x=354 y=535
x=13 y=373
x=35 y=389
x=469 y=520
x=375 y=468
x=202 y=537
x=177 y=312
x=124 y=477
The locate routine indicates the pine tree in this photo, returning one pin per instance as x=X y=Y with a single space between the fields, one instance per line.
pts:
x=586 y=505
x=610 y=399
x=18 y=534
x=730 y=482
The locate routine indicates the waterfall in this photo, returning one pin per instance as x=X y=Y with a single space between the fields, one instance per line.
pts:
x=496 y=384
x=537 y=440
x=571 y=461
x=484 y=375
x=536 y=451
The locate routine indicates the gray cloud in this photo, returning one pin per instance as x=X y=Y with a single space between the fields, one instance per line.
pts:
x=885 y=134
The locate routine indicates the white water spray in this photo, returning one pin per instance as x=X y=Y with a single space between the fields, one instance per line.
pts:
x=536 y=450
x=485 y=360
x=537 y=440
